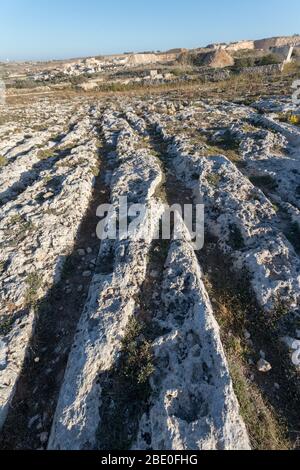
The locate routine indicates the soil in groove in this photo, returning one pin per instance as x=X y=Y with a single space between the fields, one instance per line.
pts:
x=126 y=387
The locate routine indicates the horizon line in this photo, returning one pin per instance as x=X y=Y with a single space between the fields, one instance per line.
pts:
x=82 y=56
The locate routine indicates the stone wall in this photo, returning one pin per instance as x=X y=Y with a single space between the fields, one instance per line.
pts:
x=268 y=43
x=263 y=70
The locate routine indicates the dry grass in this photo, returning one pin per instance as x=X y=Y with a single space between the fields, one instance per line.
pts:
x=264 y=429
x=33 y=282
x=45 y=154
x=126 y=389
x=292 y=68
x=247 y=86
x=233 y=305
x=295 y=119
x=3 y=161
x=289 y=118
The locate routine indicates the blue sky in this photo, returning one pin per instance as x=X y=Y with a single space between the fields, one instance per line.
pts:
x=43 y=29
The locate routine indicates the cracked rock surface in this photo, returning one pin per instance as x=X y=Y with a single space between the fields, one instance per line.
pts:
x=148 y=327
x=193 y=405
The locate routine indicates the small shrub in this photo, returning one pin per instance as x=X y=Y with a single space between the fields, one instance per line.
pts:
x=295 y=119
x=3 y=161
x=213 y=179
x=289 y=118
x=47 y=179
x=45 y=154
x=269 y=59
x=247 y=128
x=34 y=283
x=15 y=219
x=25 y=84
x=244 y=62
x=227 y=145
x=95 y=171
x=2 y=266
x=137 y=354
x=180 y=72
x=126 y=389
x=291 y=68
x=277 y=314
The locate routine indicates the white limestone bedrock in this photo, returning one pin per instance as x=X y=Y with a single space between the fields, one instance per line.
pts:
x=111 y=301
x=290 y=132
x=42 y=251
x=21 y=150
x=232 y=201
x=193 y=405
x=268 y=153
x=55 y=221
x=271 y=260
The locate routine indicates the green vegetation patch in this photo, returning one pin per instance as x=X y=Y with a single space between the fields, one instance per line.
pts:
x=125 y=389
x=33 y=282
x=3 y=161
x=45 y=154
